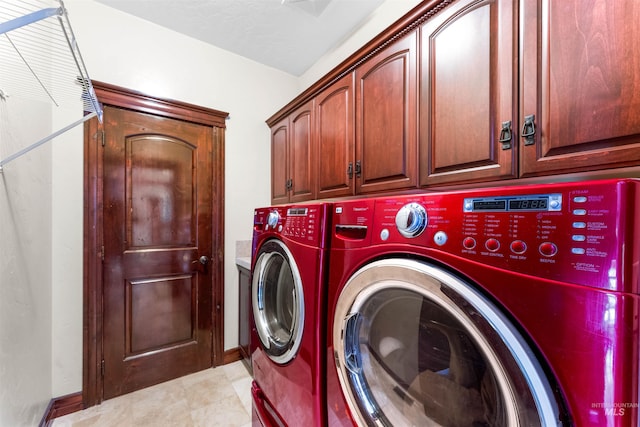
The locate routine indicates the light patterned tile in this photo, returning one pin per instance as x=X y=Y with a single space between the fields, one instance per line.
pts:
x=208 y=391
x=242 y=387
x=235 y=370
x=212 y=397
x=110 y=416
x=228 y=412
x=165 y=414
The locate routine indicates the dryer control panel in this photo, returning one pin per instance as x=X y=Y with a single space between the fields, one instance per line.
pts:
x=581 y=232
x=299 y=223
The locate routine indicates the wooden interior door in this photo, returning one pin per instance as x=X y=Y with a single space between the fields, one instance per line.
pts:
x=157 y=294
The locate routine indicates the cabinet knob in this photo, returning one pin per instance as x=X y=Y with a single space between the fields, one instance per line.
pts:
x=529 y=130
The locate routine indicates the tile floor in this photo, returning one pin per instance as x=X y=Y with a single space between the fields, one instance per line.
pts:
x=213 y=397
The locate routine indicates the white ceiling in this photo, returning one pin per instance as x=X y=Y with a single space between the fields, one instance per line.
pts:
x=289 y=35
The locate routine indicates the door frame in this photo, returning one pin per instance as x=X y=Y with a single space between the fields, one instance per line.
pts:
x=93 y=252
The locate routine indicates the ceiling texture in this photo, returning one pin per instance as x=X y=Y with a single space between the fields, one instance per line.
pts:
x=288 y=35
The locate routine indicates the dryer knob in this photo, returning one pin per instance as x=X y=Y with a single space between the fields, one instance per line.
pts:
x=411 y=220
x=272 y=219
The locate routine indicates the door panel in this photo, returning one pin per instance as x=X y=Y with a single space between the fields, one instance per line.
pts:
x=158 y=216
x=466 y=93
x=334 y=121
x=279 y=162
x=159 y=192
x=385 y=113
x=301 y=166
x=165 y=306
x=581 y=80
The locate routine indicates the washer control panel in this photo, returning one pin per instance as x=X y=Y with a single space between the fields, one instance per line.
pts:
x=580 y=232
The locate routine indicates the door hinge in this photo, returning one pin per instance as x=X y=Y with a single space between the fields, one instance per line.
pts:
x=102 y=368
x=103 y=137
x=102 y=253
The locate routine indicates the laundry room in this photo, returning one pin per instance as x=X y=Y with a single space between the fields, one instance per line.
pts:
x=374 y=212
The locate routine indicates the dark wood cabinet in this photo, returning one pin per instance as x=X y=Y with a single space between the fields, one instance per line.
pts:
x=469 y=91
x=366 y=125
x=362 y=128
x=335 y=137
x=563 y=82
x=292 y=163
x=386 y=131
x=244 y=315
x=280 y=162
x=467 y=94
x=580 y=77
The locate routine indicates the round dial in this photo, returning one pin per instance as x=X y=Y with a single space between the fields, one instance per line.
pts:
x=272 y=219
x=411 y=220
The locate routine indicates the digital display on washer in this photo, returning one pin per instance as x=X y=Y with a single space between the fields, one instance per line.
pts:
x=538 y=202
x=297 y=212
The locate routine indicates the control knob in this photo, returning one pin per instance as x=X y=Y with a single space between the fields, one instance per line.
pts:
x=272 y=219
x=411 y=220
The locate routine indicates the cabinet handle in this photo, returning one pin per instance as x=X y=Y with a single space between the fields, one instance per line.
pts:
x=350 y=170
x=505 y=135
x=529 y=130
x=358 y=169
x=289 y=184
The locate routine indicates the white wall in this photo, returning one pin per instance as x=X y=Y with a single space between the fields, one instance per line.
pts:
x=25 y=264
x=388 y=12
x=41 y=193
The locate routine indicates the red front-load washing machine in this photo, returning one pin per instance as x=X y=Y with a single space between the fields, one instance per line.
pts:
x=513 y=306
x=289 y=257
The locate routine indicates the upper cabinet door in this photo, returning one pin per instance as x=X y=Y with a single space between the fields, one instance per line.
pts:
x=467 y=103
x=581 y=80
x=279 y=162
x=386 y=118
x=335 y=139
x=301 y=149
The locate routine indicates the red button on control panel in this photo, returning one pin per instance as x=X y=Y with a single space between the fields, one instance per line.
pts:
x=492 y=244
x=469 y=243
x=518 y=247
x=548 y=249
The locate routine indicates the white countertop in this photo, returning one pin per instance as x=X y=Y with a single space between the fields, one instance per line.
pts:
x=244 y=262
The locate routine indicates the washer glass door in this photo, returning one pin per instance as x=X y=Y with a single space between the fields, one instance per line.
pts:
x=278 y=301
x=415 y=345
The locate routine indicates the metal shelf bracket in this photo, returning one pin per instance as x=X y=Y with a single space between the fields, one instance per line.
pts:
x=41 y=60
